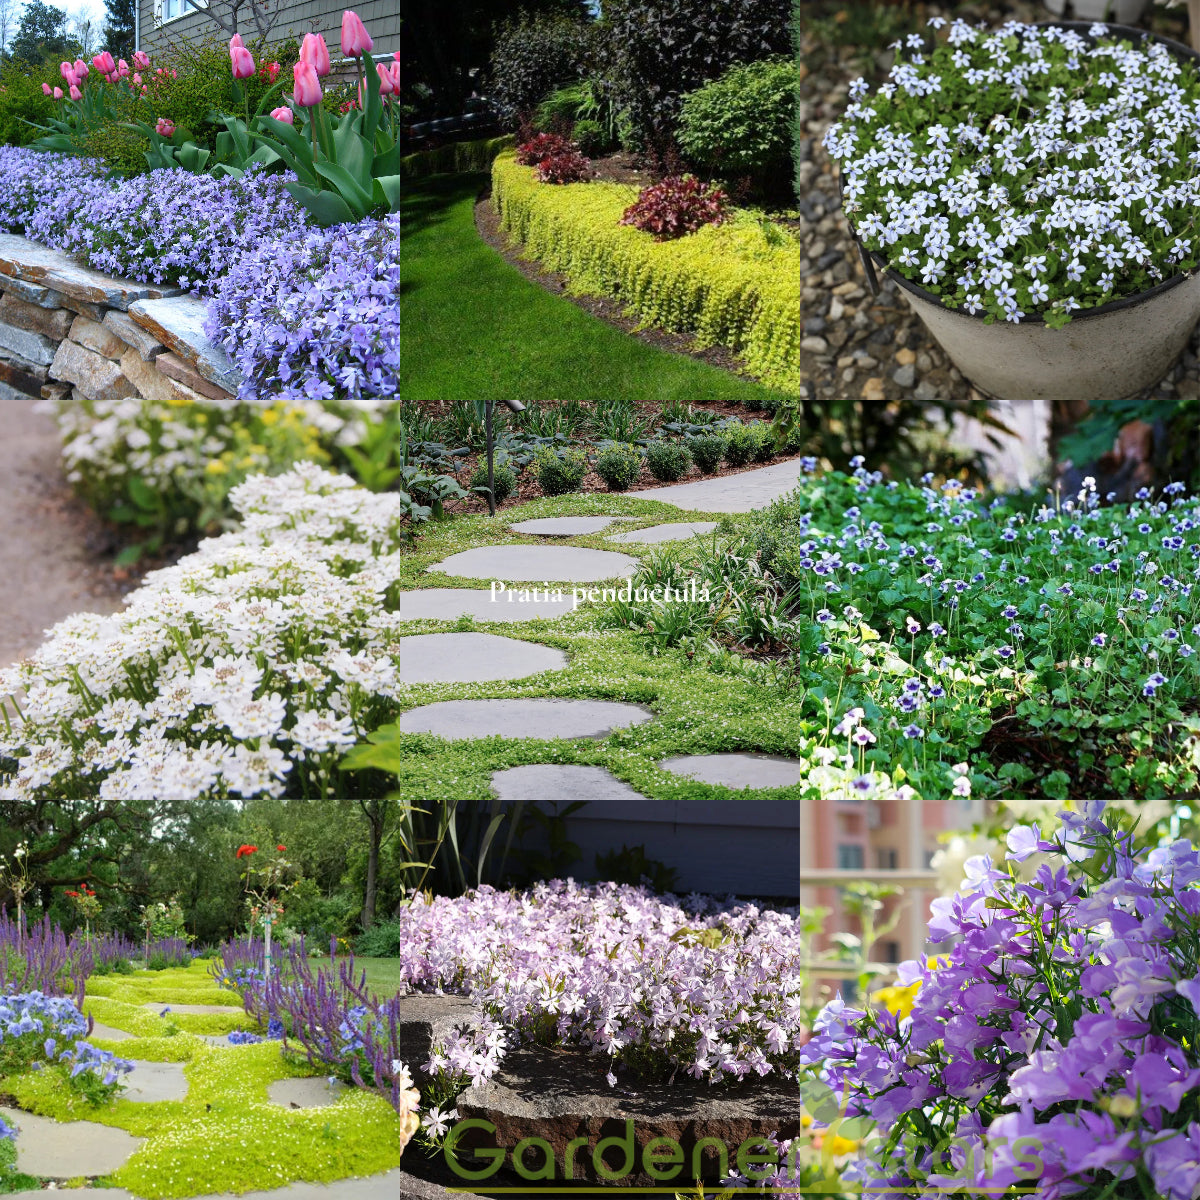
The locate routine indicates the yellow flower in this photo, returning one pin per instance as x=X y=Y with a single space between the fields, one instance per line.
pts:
x=216 y=467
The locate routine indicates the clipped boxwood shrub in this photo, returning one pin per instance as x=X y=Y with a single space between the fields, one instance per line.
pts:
x=732 y=284
x=740 y=125
x=457 y=158
x=22 y=100
x=740 y=446
x=618 y=465
x=504 y=480
x=668 y=461
x=559 y=471
x=707 y=450
x=763 y=441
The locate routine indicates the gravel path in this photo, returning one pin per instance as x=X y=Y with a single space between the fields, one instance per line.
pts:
x=49 y=541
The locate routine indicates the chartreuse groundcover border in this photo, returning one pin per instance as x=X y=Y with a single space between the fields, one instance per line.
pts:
x=225 y=1135
x=736 y=283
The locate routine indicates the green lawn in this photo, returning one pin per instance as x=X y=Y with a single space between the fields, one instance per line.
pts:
x=475 y=327
x=383 y=974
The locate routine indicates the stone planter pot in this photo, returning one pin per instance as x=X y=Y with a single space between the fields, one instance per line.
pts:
x=1104 y=353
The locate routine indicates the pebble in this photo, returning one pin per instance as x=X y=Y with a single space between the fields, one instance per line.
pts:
x=849 y=289
x=814 y=325
x=872 y=390
x=924 y=363
x=905 y=357
x=836 y=309
x=925 y=392
x=905 y=376
x=814 y=345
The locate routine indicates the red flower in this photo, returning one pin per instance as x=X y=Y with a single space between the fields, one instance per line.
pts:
x=244 y=850
x=89 y=891
x=281 y=849
x=73 y=895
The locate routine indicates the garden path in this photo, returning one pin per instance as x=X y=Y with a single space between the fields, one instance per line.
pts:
x=47 y=569
x=446 y=658
x=188 y=1106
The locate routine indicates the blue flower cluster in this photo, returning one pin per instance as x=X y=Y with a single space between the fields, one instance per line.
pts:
x=309 y=314
x=316 y=315
x=1053 y=1047
x=239 y=1037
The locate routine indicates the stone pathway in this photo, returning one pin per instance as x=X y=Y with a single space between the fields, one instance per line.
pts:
x=732 y=493
x=306 y=1092
x=538 y=564
x=557 y=781
x=456 y=720
x=47 y=571
x=562 y=526
x=68 y=1149
x=150 y=1082
x=676 y=531
x=448 y=604
x=473 y=657
x=388 y=1186
x=737 y=770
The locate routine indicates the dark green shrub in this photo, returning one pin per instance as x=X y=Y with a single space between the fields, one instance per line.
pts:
x=618 y=465
x=590 y=137
x=668 y=461
x=22 y=100
x=707 y=450
x=123 y=150
x=763 y=441
x=740 y=445
x=559 y=471
x=740 y=124
x=504 y=479
x=534 y=54
x=656 y=51
x=382 y=940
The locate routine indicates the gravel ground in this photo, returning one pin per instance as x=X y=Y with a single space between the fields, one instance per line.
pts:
x=874 y=349
x=50 y=543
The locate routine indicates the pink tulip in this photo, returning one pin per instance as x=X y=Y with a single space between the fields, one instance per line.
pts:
x=141 y=59
x=122 y=68
x=68 y=70
x=136 y=78
x=104 y=63
x=355 y=39
x=164 y=126
x=313 y=50
x=242 y=61
x=284 y=114
x=58 y=93
x=46 y=90
x=396 y=55
x=386 y=87
x=236 y=42
x=81 y=69
x=395 y=72
x=75 y=93
x=307 y=90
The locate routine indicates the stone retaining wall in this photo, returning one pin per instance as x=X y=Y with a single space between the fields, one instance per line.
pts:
x=66 y=328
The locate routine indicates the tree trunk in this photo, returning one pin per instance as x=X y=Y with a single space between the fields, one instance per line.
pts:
x=373 y=811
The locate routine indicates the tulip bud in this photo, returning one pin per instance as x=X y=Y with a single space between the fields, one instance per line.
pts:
x=236 y=42
x=307 y=90
x=81 y=69
x=58 y=93
x=385 y=80
x=314 y=50
x=122 y=67
x=242 y=61
x=284 y=114
x=136 y=79
x=141 y=59
x=68 y=70
x=46 y=90
x=164 y=127
x=355 y=39
x=75 y=93
x=104 y=63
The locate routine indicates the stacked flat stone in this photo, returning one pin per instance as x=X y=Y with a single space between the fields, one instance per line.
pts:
x=65 y=329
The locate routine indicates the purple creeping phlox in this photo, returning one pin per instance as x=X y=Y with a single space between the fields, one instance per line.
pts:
x=1055 y=1047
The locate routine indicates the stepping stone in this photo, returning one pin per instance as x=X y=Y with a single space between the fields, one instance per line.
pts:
x=469 y=657
x=196 y=1009
x=538 y=564
x=457 y=720
x=305 y=1093
x=677 y=531
x=555 y=781
x=100 y=1030
x=68 y=1149
x=562 y=526
x=733 y=493
x=737 y=770
x=150 y=1082
x=445 y=604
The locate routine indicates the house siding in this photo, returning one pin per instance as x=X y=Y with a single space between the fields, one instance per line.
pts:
x=381 y=17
